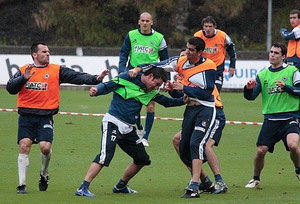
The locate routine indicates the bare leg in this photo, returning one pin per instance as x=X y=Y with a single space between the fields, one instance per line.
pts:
x=293 y=141
x=212 y=158
x=176 y=141
x=196 y=170
x=131 y=170
x=93 y=171
x=259 y=160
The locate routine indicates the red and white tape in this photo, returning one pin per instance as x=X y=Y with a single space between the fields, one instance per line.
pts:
x=143 y=117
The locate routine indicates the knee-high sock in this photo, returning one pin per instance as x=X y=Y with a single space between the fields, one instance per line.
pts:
x=149 y=123
x=23 y=163
x=138 y=123
x=45 y=163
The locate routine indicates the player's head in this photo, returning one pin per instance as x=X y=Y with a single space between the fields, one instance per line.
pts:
x=209 y=25
x=145 y=22
x=154 y=78
x=194 y=49
x=277 y=54
x=295 y=18
x=40 y=53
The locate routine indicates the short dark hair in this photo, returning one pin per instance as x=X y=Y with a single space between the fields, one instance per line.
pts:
x=208 y=19
x=295 y=11
x=158 y=73
x=199 y=43
x=281 y=46
x=34 y=47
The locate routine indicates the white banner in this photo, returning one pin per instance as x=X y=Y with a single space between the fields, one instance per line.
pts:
x=9 y=65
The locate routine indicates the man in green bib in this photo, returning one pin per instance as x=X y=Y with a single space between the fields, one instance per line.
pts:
x=143 y=45
x=280 y=89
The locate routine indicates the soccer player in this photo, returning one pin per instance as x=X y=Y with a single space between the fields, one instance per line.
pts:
x=197 y=80
x=293 y=50
x=129 y=95
x=280 y=89
x=37 y=86
x=217 y=42
x=143 y=45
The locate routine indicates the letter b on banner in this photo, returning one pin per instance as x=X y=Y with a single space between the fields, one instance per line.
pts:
x=11 y=67
x=110 y=68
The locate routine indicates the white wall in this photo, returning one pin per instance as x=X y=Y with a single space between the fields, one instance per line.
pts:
x=9 y=64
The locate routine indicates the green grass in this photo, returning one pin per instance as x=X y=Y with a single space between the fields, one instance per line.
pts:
x=77 y=141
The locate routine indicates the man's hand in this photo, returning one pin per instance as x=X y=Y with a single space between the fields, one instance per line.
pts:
x=186 y=99
x=177 y=86
x=231 y=71
x=101 y=76
x=93 y=91
x=251 y=84
x=168 y=86
x=28 y=73
x=282 y=31
x=280 y=84
x=134 y=72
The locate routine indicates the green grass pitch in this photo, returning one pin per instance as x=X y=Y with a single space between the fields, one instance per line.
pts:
x=77 y=140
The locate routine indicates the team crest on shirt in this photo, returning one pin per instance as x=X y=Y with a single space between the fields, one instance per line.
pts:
x=47 y=76
x=203 y=123
x=284 y=78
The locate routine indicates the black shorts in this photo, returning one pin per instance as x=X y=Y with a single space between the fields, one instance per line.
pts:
x=196 y=128
x=127 y=142
x=274 y=131
x=37 y=128
x=217 y=129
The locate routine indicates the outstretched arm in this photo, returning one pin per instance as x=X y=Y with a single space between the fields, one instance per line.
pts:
x=290 y=35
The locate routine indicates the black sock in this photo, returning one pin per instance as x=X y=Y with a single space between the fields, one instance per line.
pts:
x=206 y=180
x=121 y=184
x=85 y=184
x=256 y=178
x=297 y=170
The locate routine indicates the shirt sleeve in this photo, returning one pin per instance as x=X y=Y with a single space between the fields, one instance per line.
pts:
x=124 y=53
x=67 y=75
x=169 y=65
x=290 y=35
x=251 y=94
x=204 y=90
x=230 y=48
x=15 y=83
x=295 y=89
x=168 y=102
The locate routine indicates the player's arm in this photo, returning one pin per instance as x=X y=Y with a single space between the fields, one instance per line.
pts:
x=293 y=90
x=169 y=65
x=230 y=49
x=103 y=88
x=290 y=35
x=168 y=102
x=17 y=81
x=124 y=53
x=202 y=91
x=163 y=50
x=252 y=89
x=67 y=75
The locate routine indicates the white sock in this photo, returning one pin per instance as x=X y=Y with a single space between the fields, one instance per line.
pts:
x=45 y=163
x=23 y=163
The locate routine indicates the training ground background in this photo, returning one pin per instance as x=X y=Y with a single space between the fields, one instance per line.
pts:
x=77 y=140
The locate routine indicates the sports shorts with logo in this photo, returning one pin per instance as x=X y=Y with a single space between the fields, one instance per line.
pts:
x=273 y=131
x=127 y=142
x=37 y=128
